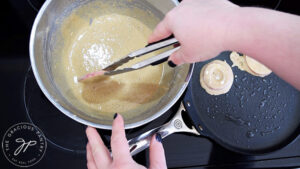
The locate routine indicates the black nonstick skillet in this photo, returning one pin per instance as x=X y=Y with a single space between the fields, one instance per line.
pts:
x=257 y=116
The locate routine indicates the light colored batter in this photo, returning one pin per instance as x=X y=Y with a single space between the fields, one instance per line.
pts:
x=90 y=45
x=256 y=67
x=248 y=64
x=216 y=77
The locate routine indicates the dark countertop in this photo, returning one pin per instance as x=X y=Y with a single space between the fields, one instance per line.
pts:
x=182 y=150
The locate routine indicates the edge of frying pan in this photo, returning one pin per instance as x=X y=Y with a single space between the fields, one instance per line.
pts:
x=204 y=131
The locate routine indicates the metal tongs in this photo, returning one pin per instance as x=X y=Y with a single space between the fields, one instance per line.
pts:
x=155 y=60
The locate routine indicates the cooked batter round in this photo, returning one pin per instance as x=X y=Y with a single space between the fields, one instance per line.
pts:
x=216 y=77
x=257 y=67
x=250 y=65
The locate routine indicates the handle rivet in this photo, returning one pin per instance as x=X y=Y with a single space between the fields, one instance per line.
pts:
x=200 y=127
x=188 y=104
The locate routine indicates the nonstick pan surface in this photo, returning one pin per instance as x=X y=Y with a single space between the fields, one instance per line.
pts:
x=258 y=115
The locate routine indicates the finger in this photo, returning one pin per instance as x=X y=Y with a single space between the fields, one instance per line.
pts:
x=89 y=157
x=160 y=32
x=177 y=57
x=99 y=151
x=157 y=153
x=119 y=145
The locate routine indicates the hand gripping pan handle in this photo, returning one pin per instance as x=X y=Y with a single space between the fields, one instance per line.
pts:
x=175 y=125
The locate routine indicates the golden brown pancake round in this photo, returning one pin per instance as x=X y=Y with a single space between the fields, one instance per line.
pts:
x=250 y=65
x=216 y=77
x=257 y=67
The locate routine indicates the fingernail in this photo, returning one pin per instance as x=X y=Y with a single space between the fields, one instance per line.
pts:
x=158 y=137
x=171 y=64
x=115 y=115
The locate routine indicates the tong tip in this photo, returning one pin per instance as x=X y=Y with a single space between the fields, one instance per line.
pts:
x=91 y=75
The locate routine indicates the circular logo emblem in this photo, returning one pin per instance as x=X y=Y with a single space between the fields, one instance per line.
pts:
x=24 y=144
x=178 y=124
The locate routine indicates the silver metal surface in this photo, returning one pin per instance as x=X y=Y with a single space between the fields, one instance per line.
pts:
x=176 y=125
x=141 y=142
x=141 y=52
x=154 y=59
x=119 y=71
x=41 y=48
x=144 y=63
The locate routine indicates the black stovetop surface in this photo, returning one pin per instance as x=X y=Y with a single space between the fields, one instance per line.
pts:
x=22 y=101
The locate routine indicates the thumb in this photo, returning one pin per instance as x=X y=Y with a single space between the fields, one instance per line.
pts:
x=177 y=57
x=157 y=153
x=161 y=31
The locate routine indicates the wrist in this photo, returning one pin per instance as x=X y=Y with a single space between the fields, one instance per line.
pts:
x=232 y=27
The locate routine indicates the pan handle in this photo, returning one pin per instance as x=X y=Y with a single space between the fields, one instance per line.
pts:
x=175 y=125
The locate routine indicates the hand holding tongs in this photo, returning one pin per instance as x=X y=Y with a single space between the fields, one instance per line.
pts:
x=155 y=60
